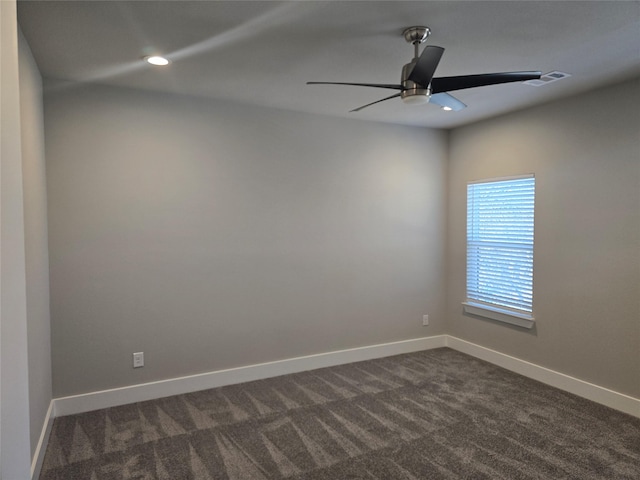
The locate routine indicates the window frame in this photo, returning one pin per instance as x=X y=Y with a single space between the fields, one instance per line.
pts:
x=478 y=308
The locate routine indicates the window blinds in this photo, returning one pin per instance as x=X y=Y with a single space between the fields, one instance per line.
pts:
x=500 y=243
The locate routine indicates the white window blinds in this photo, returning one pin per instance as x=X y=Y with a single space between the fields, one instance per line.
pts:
x=500 y=243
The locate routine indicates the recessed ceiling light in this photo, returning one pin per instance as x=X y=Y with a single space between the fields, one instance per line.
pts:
x=157 y=60
x=447 y=109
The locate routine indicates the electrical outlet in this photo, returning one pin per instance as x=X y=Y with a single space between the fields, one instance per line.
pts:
x=138 y=360
x=425 y=320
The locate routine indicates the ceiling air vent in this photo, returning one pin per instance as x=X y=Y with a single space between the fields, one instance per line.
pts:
x=547 y=78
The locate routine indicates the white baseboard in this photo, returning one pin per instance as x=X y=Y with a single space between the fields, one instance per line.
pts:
x=41 y=448
x=604 y=396
x=175 y=386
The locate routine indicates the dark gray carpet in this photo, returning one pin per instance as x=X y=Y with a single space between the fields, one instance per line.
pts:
x=436 y=414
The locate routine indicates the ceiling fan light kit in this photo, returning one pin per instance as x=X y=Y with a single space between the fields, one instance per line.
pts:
x=419 y=86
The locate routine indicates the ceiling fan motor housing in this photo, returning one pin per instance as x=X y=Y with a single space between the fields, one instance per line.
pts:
x=412 y=92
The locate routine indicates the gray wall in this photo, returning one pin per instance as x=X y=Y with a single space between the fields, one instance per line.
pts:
x=585 y=154
x=212 y=235
x=14 y=387
x=36 y=247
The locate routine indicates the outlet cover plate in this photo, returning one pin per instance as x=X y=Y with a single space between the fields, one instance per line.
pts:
x=138 y=359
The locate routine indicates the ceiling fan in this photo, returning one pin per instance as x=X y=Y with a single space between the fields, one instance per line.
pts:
x=419 y=86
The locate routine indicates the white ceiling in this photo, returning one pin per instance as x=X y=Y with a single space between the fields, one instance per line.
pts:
x=262 y=53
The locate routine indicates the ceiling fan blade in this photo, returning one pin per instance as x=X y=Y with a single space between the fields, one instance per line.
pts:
x=447 y=84
x=375 y=85
x=373 y=103
x=446 y=100
x=426 y=66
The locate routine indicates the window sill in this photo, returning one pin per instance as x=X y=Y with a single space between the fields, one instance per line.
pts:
x=499 y=314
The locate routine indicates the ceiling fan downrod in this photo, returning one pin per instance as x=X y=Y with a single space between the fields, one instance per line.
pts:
x=416 y=36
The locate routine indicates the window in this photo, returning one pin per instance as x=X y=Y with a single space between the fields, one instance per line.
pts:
x=500 y=250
